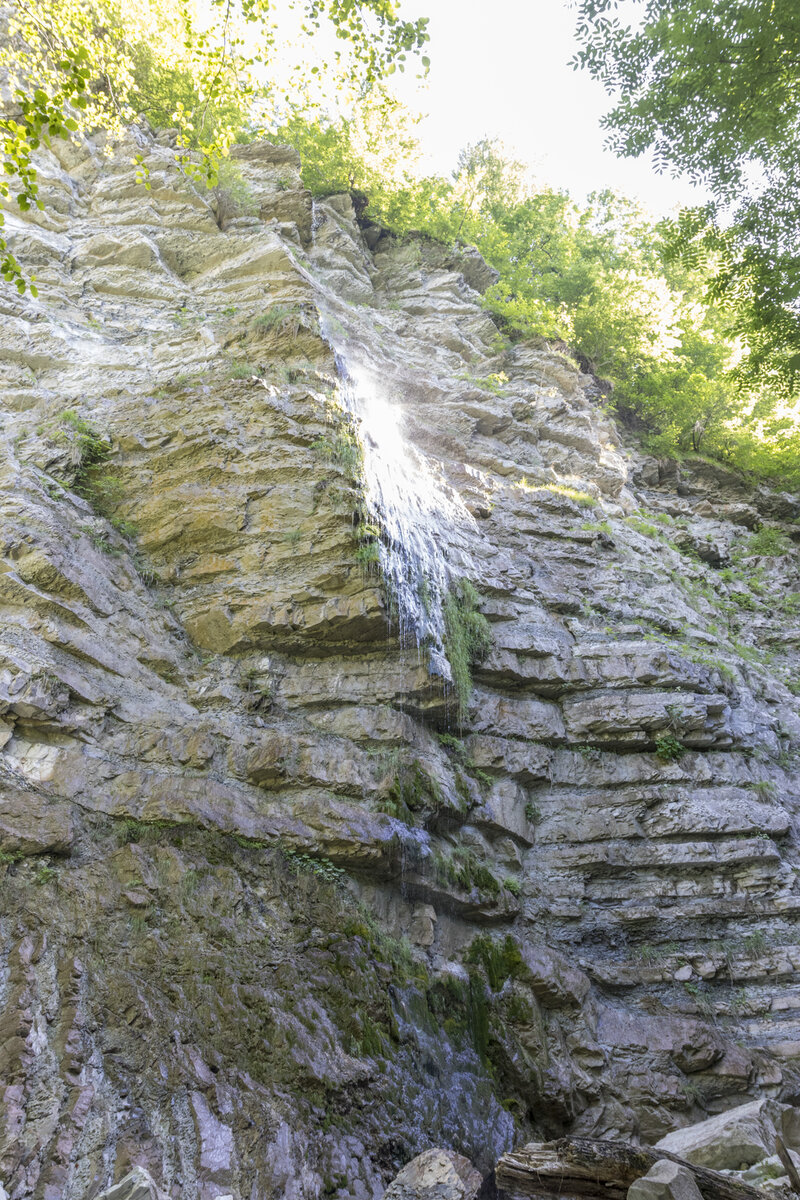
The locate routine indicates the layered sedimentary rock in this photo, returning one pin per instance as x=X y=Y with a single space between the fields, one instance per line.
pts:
x=273 y=921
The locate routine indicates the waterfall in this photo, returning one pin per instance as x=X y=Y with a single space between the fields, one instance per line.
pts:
x=413 y=506
x=425 y=527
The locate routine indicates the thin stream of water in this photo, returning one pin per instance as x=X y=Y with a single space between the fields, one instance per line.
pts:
x=414 y=509
x=412 y=505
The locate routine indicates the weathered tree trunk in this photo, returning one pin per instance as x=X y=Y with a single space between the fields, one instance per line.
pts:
x=790 y=1168
x=585 y=1167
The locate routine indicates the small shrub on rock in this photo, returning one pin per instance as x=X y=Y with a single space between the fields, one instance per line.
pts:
x=770 y=542
x=468 y=639
x=669 y=748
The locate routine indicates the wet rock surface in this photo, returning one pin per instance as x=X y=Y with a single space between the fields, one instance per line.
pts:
x=273 y=922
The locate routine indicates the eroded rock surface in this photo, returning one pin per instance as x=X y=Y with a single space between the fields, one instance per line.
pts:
x=272 y=923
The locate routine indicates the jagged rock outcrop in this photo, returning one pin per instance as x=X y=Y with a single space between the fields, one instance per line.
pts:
x=272 y=923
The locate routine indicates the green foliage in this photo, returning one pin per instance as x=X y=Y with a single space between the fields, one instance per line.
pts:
x=42 y=114
x=648 y=953
x=494 y=383
x=412 y=790
x=124 y=528
x=132 y=830
x=232 y=195
x=83 y=65
x=454 y=745
x=603 y=278
x=669 y=748
x=321 y=868
x=396 y=952
x=767 y=541
x=343 y=449
x=532 y=812
x=104 y=491
x=468 y=639
x=743 y=600
x=711 y=90
x=500 y=960
x=45 y=874
x=582 y=499
x=462 y=869
x=242 y=370
x=189 y=881
x=756 y=943
x=274 y=317
x=88 y=446
x=100 y=540
x=89 y=450
x=462 y=1008
x=368 y=554
x=643 y=527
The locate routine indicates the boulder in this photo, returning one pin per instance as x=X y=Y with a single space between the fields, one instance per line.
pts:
x=435 y=1175
x=138 y=1184
x=743 y=1135
x=665 y=1180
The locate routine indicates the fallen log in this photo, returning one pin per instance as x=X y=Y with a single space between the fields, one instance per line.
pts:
x=788 y=1164
x=577 y=1167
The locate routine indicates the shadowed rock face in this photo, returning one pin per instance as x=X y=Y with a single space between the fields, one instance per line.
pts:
x=264 y=932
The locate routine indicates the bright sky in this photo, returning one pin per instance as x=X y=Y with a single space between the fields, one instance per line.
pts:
x=499 y=68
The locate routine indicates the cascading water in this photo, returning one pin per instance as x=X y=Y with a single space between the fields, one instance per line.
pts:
x=425 y=527
x=413 y=507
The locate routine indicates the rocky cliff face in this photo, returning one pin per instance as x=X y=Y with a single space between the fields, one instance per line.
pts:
x=273 y=919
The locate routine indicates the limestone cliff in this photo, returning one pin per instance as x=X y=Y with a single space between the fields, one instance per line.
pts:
x=273 y=921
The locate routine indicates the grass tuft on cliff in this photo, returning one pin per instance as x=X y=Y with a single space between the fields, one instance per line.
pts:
x=468 y=639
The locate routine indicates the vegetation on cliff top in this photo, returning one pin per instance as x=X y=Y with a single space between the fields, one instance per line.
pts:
x=691 y=327
x=213 y=70
x=603 y=279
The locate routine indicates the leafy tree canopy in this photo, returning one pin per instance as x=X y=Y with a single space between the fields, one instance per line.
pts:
x=712 y=88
